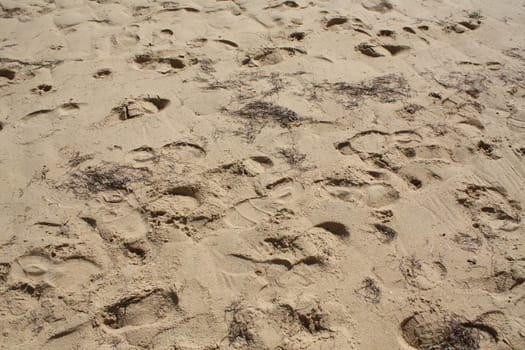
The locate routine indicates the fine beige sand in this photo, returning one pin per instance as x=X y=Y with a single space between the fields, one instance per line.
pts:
x=345 y=174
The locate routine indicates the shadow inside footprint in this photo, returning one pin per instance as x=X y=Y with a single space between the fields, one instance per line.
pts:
x=335 y=228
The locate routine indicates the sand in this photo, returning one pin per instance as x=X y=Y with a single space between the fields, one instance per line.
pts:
x=262 y=174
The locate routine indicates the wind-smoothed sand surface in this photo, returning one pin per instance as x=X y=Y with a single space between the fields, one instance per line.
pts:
x=262 y=174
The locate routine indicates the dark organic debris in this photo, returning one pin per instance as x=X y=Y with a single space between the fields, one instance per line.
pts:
x=239 y=329
x=263 y=110
x=369 y=290
x=106 y=177
x=445 y=332
x=386 y=89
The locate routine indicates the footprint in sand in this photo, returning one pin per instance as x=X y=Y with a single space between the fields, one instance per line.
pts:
x=249 y=213
x=71 y=274
x=374 y=195
x=137 y=108
x=164 y=62
x=64 y=109
x=491 y=209
x=141 y=309
x=421 y=274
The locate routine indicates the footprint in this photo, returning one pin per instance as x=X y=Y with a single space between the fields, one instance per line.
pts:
x=125 y=39
x=251 y=212
x=143 y=154
x=336 y=228
x=374 y=195
x=372 y=142
x=64 y=109
x=263 y=57
x=336 y=21
x=161 y=62
x=178 y=200
x=417 y=175
x=422 y=275
x=323 y=323
x=248 y=213
x=7 y=74
x=102 y=73
x=228 y=42
x=182 y=151
x=385 y=233
x=437 y=330
x=298 y=36
x=137 y=108
x=395 y=49
x=42 y=89
x=141 y=309
x=123 y=225
x=252 y=166
x=70 y=274
x=463 y=26
x=516 y=121
x=287 y=3
x=371 y=50
x=171 y=6
x=386 y=32
x=381 y=6
x=491 y=209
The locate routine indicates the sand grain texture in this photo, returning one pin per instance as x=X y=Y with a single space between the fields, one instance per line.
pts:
x=262 y=174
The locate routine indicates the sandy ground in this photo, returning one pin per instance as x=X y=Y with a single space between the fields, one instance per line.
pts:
x=262 y=174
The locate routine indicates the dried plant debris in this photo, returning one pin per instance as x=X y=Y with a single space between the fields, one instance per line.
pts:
x=261 y=110
x=386 y=89
x=106 y=177
x=293 y=157
x=369 y=290
x=77 y=159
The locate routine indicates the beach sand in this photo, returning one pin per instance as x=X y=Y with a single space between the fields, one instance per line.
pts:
x=262 y=174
